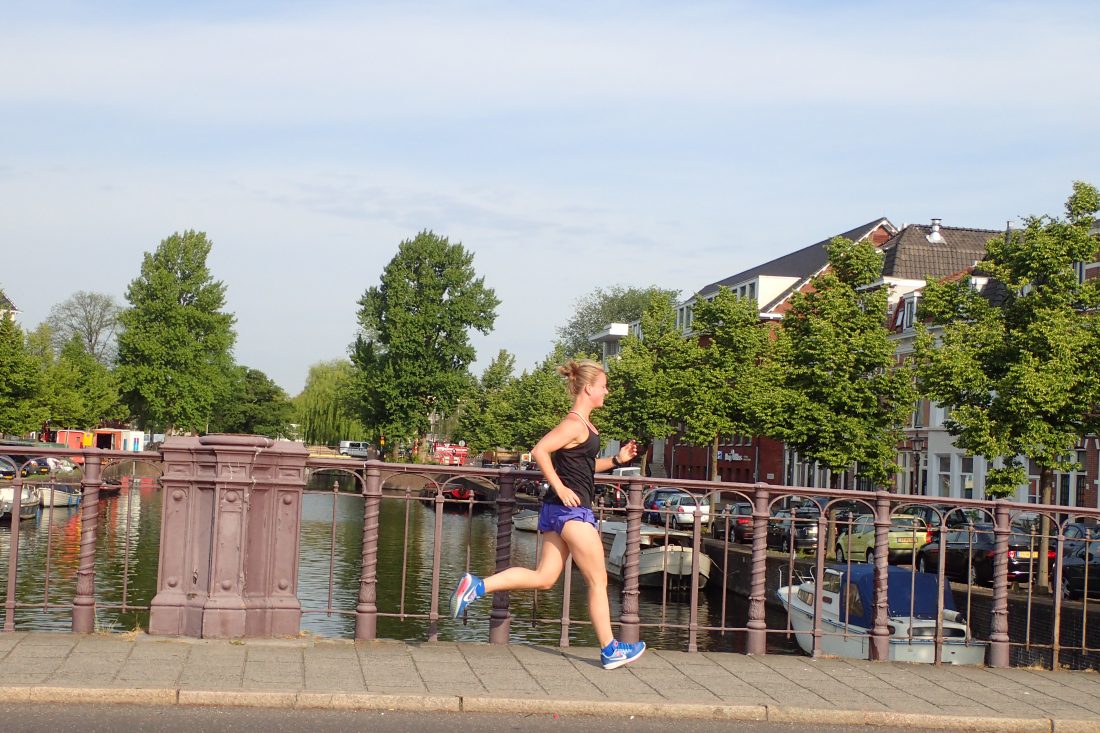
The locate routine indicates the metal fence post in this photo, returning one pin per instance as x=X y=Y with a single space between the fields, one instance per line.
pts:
x=366 y=612
x=880 y=634
x=629 y=630
x=84 y=600
x=756 y=639
x=13 y=553
x=998 y=636
x=500 y=623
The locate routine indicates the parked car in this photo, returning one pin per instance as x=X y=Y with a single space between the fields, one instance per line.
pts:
x=1081 y=566
x=611 y=496
x=733 y=521
x=969 y=555
x=35 y=467
x=798 y=527
x=907 y=534
x=654 y=502
x=1077 y=535
x=933 y=514
x=682 y=509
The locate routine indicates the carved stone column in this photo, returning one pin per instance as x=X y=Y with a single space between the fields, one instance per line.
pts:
x=229 y=537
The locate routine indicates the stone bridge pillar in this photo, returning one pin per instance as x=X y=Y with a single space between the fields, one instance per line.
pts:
x=229 y=537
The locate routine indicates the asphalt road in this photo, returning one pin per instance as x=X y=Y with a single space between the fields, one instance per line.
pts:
x=40 y=718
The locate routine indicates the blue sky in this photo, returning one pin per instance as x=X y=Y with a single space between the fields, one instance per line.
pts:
x=568 y=145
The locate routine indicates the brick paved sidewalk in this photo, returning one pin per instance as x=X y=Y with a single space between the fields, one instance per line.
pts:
x=308 y=672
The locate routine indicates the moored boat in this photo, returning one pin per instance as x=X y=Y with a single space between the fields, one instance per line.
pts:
x=847 y=615
x=526 y=520
x=28 y=501
x=60 y=495
x=664 y=557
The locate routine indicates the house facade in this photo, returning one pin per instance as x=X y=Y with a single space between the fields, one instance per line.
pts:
x=7 y=308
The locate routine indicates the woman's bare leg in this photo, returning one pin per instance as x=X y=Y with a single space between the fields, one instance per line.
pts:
x=583 y=540
x=551 y=562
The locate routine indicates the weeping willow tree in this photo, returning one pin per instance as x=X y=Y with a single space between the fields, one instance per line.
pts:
x=322 y=415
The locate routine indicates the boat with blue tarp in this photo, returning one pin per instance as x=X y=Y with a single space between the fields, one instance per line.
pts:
x=917 y=621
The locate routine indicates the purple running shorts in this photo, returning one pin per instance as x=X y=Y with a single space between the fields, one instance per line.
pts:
x=552 y=517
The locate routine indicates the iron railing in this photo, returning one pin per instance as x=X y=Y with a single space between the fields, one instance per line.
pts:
x=1006 y=543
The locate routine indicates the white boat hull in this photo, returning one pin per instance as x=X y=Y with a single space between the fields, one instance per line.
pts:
x=29 y=499
x=526 y=520
x=853 y=642
x=660 y=565
x=64 y=495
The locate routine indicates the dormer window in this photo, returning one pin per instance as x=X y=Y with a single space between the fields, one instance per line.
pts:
x=909 y=311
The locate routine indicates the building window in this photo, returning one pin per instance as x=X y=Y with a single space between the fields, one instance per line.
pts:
x=752 y=291
x=909 y=312
x=966 y=477
x=919 y=413
x=943 y=475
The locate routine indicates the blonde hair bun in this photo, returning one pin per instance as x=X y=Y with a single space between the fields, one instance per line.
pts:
x=580 y=374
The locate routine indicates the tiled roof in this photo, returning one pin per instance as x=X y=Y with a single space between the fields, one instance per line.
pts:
x=909 y=254
x=5 y=304
x=801 y=263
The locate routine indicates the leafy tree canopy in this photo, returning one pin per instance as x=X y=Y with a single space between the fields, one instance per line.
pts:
x=254 y=405
x=481 y=414
x=413 y=351
x=592 y=313
x=842 y=401
x=323 y=410
x=1018 y=361
x=174 y=353
x=21 y=409
x=642 y=378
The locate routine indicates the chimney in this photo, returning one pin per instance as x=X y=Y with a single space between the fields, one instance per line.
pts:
x=935 y=237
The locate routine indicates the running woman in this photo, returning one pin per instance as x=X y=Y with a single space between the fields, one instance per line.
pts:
x=567 y=457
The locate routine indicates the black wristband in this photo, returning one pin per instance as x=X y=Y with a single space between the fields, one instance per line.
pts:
x=615 y=461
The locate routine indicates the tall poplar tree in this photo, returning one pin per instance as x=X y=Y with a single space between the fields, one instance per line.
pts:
x=413 y=350
x=1018 y=363
x=175 y=350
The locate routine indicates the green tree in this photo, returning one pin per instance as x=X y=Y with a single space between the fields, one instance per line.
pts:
x=21 y=409
x=174 y=352
x=533 y=403
x=1018 y=362
x=323 y=408
x=593 y=312
x=842 y=400
x=413 y=351
x=727 y=383
x=480 y=421
x=93 y=317
x=643 y=401
x=78 y=390
x=254 y=405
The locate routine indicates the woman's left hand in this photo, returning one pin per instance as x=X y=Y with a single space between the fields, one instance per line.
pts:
x=628 y=451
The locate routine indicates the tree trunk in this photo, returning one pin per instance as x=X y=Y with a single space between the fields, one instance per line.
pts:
x=1046 y=491
x=713 y=468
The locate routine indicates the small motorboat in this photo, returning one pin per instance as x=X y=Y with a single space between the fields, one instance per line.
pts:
x=60 y=495
x=526 y=520
x=847 y=615
x=455 y=497
x=28 y=501
x=664 y=557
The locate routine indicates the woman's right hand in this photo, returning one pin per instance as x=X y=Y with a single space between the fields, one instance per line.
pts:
x=568 y=496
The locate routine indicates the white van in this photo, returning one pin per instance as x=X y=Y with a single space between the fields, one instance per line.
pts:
x=626 y=471
x=355 y=448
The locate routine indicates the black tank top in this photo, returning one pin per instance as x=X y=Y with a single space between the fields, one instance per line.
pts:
x=576 y=467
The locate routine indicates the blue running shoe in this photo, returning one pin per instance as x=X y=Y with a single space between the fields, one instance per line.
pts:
x=468 y=590
x=620 y=654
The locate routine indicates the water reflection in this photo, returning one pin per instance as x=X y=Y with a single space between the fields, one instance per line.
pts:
x=128 y=548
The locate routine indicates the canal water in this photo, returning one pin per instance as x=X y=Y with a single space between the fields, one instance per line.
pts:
x=128 y=547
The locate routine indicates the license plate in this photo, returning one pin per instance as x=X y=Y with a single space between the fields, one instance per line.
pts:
x=905 y=540
x=1025 y=554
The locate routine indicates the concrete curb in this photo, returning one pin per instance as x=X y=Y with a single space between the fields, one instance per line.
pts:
x=605 y=708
